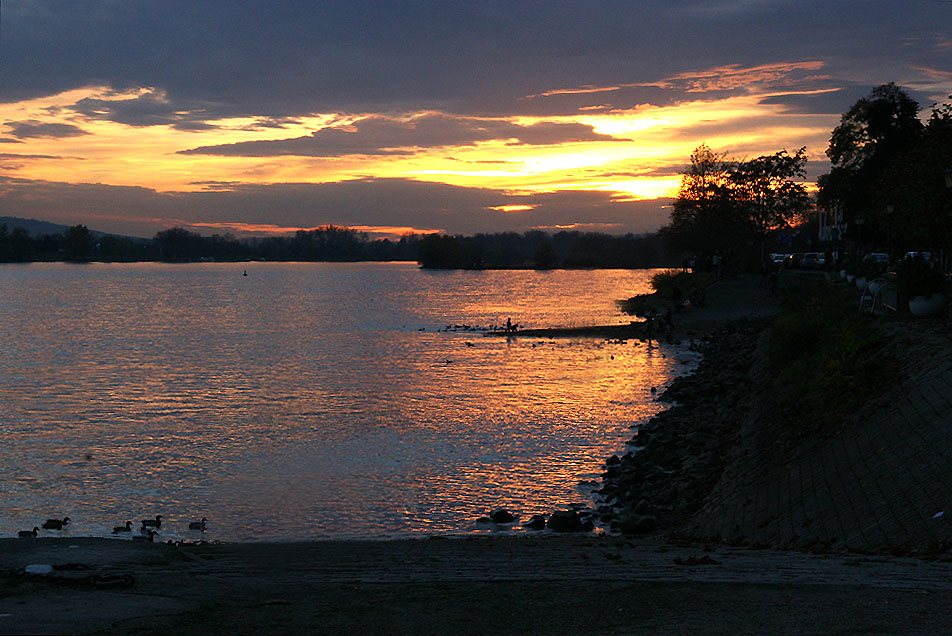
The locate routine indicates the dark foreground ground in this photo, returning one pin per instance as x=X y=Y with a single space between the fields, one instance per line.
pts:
x=513 y=585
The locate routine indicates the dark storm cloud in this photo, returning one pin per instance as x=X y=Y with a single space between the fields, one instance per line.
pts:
x=358 y=202
x=386 y=136
x=149 y=109
x=30 y=128
x=284 y=58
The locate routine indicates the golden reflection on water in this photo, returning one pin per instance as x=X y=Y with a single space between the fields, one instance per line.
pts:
x=323 y=394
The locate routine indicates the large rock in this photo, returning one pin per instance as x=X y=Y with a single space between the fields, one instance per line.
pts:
x=565 y=521
x=501 y=515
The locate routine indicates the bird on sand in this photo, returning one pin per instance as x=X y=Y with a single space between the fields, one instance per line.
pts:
x=125 y=528
x=25 y=534
x=55 y=524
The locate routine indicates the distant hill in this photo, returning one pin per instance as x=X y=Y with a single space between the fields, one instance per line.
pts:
x=41 y=228
x=34 y=227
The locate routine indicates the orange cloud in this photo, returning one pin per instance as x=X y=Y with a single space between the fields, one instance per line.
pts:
x=274 y=230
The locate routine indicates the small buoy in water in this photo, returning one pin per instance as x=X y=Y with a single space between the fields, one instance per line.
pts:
x=246 y=273
x=654 y=390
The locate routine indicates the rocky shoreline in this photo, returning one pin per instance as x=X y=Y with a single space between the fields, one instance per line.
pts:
x=678 y=455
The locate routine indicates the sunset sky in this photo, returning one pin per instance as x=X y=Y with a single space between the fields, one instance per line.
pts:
x=133 y=116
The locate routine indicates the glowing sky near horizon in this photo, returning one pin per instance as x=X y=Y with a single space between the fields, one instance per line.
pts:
x=459 y=117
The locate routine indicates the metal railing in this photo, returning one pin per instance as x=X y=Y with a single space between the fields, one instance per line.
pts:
x=882 y=296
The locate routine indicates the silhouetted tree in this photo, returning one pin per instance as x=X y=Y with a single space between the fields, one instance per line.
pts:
x=439 y=251
x=545 y=257
x=914 y=187
x=704 y=219
x=767 y=195
x=20 y=245
x=178 y=244
x=78 y=242
x=870 y=135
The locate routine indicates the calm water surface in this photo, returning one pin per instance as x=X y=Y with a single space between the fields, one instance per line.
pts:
x=307 y=400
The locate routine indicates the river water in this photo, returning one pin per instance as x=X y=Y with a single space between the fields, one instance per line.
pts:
x=308 y=400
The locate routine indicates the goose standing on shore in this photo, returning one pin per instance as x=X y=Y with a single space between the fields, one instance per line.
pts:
x=56 y=524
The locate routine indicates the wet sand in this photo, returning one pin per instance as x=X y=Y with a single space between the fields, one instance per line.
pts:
x=519 y=585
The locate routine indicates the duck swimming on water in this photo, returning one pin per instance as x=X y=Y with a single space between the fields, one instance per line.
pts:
x=198 y=525
x=55 y=524
x=25 y=534
x=152 y=523
x=125 y=528
x=150 y=536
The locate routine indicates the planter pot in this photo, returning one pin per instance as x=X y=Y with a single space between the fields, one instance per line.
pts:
x=927 y=305
x=860 y=282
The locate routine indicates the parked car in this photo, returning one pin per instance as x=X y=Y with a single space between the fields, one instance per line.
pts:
x=877 y=257
x=813 y=260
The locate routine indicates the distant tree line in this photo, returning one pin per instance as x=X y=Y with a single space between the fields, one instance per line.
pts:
x=79 y=244
x=540 y=250
x=533 y=249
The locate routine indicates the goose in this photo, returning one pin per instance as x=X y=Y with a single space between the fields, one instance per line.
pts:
x=150 y=536
x=198 y=525
x=152 y=523
x=26 y=534
x=125 y=528
x=56 y=524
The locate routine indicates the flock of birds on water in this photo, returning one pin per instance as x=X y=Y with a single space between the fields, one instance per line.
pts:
x=147 y=531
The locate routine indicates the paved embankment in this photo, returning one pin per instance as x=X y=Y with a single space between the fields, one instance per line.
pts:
x=882 y=481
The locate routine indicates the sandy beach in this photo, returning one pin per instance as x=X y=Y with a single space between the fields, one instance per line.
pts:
x=519 y=585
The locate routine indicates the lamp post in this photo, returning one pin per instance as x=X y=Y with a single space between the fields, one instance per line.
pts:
x=948 y=185
x=890 y=208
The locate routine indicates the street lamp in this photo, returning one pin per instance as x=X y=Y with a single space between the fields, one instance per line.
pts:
x=890 y=208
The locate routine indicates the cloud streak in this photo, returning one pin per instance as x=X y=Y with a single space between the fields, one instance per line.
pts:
x=378 y=135
x=32 y=129
x=361 y=203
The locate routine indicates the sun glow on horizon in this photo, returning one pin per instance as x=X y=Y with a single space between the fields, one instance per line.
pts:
x=637 y=153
